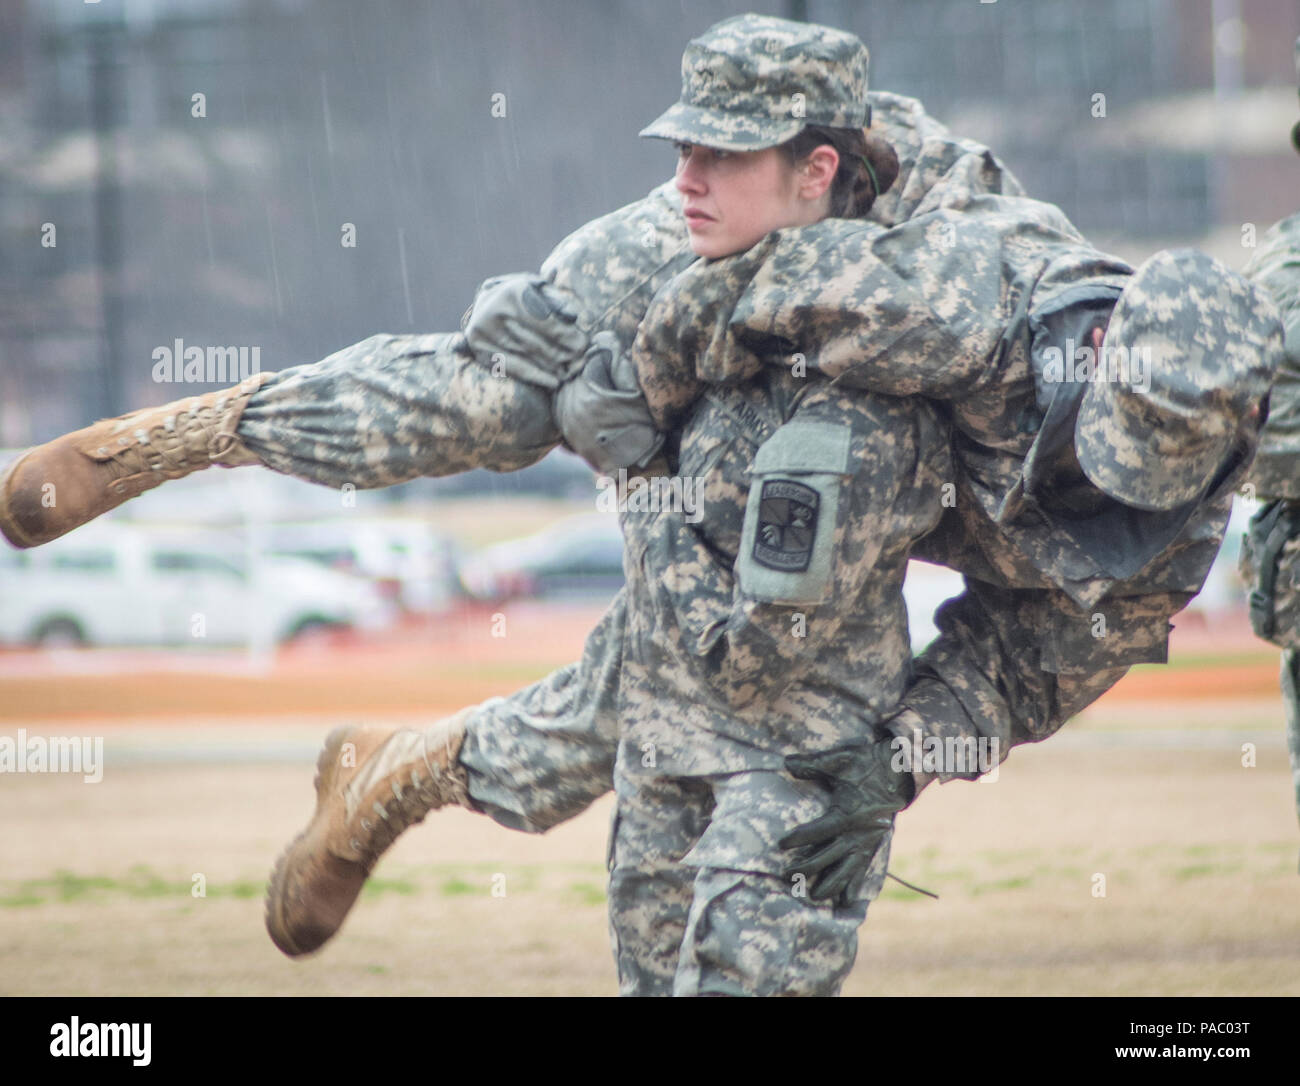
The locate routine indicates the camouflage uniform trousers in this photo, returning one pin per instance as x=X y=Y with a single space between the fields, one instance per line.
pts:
x=1276 y=473
x=683 y=926
x=394 y=408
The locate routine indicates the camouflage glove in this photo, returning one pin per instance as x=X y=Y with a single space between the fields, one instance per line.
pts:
x=602 y=413
x=866 y=793
x=523 y=327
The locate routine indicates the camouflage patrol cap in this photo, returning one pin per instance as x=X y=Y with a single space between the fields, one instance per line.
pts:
x=1191 y=348
x=754 y=81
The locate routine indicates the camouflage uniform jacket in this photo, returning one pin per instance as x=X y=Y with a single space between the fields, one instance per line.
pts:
x=767 y=616
x=964 y=307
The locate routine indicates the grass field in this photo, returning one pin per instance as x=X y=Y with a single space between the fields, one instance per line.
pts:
x=1198 y=854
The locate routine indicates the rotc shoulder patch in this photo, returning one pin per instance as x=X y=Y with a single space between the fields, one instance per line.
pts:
x=787 y=543
x=787 y=525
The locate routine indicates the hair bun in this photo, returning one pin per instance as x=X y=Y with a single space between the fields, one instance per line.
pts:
x=883 y=159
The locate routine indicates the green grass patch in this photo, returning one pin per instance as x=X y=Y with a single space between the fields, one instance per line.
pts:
x=999 y=885
x=378 y=887
x=588 y=893
x=70 y=887
x=143 y=882
x=998 y=857
x=21 y=900
x=140 y=882
x=1200 y=850
x=1200 y=871
x=244 y=890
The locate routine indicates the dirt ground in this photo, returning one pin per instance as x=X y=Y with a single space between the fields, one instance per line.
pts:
x=1197 y=852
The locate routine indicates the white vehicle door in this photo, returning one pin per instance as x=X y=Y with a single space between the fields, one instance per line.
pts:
x=203 y=596
x=94 y=584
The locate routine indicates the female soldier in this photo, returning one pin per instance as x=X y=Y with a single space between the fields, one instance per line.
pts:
x=770 y=637
x=699 y=769
x=729 y=641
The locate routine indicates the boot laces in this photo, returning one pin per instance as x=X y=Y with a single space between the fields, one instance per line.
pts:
x=174 y=446
x=407 y=807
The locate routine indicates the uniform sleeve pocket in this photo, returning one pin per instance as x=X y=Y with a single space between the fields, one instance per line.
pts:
x=787 y=545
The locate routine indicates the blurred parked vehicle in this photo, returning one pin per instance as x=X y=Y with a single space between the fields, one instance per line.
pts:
x=114 y=584
x=578 y=557
x=412 y=565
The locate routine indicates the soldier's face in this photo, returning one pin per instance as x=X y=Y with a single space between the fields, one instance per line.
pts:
x=733 y=199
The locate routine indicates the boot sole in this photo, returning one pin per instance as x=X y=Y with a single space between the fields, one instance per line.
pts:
x=309 y=937
x=8 y=526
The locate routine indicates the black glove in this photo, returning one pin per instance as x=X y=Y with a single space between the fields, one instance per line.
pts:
x=866 y=793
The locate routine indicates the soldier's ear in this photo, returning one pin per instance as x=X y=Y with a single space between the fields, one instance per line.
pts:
x=817 y=171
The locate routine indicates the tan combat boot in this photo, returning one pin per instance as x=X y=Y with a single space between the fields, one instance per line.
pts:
x=61 y=485
x=371 y=784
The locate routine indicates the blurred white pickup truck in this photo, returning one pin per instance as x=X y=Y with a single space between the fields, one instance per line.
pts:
x=115 y=584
